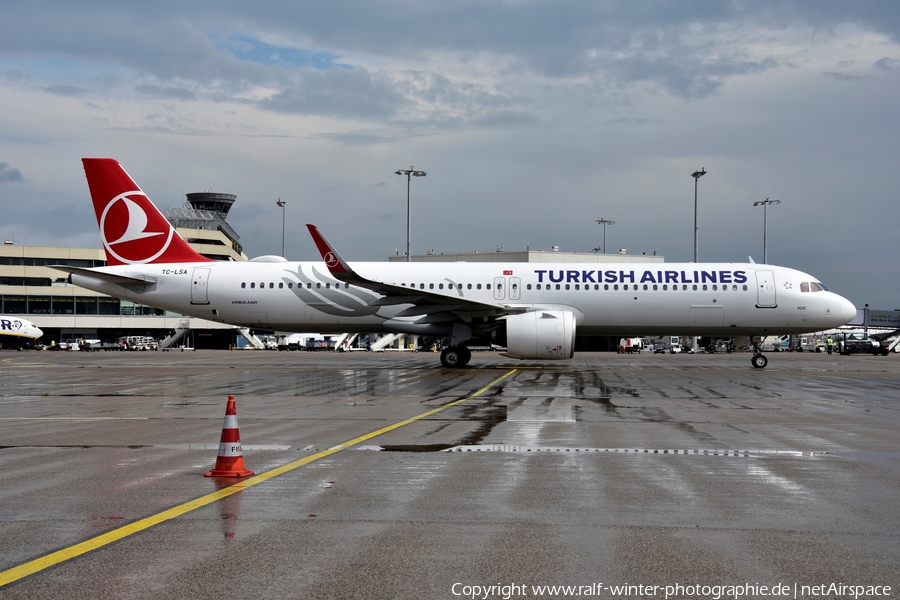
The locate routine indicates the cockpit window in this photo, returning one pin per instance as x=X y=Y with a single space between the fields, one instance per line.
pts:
x=812 y=286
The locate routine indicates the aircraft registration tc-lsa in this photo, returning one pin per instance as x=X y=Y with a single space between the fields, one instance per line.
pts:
x=539 y=306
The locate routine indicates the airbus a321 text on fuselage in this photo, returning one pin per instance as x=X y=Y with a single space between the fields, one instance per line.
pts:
x=540 y=306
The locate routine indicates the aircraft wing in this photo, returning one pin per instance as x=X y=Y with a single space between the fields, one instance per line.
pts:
x=424 y=302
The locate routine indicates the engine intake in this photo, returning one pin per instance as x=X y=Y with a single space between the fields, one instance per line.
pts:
x=544 y=334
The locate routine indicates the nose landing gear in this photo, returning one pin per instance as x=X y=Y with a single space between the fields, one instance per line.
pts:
x=758 y=361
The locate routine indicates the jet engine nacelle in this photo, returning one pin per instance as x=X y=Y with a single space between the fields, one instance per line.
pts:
x=544 y=334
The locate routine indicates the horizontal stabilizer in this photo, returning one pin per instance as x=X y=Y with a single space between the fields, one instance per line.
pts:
x=125 y=280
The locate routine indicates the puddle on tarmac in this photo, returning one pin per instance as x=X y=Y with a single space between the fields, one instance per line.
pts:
x=487 y=416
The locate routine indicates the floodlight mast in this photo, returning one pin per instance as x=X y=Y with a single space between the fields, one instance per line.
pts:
x=696 y=175
x=281 y=203
x=410 y=173
x=765 y=204
x=604 y=222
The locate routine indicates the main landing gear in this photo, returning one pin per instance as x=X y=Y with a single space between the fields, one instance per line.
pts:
x=455 y=356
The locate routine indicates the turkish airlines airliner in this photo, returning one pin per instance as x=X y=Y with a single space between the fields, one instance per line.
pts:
x=539 y=306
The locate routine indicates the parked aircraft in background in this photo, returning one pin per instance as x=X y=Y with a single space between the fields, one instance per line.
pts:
x=537 y=307
x=18 y=332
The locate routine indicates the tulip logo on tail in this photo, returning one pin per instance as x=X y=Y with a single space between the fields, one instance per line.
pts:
x=331 y=261
x=132 y=230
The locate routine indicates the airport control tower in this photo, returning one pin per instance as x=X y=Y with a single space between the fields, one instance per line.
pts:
x=211 y=201
x=203 y=224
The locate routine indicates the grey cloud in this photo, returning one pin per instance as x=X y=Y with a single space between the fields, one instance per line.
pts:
x=506 y=118
x=70 y=91
x=339 y=93
x=678 y=49
x=9 y=174
x=660 y=43
x=886 y=64
x=172 y=44
x=843 y=76
x=411 y=98
x=165 y=92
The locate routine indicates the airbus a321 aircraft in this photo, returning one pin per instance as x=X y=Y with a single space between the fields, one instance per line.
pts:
x=18 y=332
x=539 y=305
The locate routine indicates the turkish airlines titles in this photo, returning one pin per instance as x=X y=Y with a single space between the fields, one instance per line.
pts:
x=582 y=276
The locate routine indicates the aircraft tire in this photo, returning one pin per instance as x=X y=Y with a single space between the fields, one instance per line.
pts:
x=451 y=357
x=759 y=361
x=465 y=356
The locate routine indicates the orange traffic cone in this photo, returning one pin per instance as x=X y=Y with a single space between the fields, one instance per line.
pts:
x=230 y=461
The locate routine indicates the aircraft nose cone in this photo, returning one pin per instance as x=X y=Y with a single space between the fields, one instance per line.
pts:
x=37 y=333
x=847 y=310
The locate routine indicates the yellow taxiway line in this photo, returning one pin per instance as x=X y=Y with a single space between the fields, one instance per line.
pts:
x=60 y=556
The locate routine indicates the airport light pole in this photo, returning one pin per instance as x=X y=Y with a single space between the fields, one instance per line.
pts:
x=866 y=321
x=281 y=203
x=765 y=204
x=604 y=222
x=696 y=175
x=410 y=173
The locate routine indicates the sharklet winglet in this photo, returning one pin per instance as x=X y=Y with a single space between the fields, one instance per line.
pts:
x=337 y=266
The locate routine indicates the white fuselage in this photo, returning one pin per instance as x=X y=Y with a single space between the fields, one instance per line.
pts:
x=611 y=299
x=17 y=330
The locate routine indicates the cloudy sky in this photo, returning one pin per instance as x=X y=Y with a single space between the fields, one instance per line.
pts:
x=532 y=120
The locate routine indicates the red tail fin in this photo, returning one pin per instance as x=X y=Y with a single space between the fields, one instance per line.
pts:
x=132 y=229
